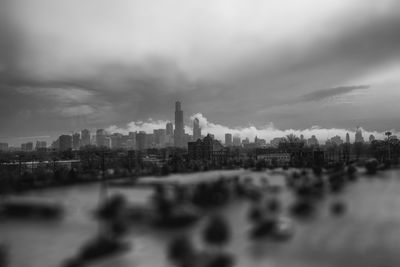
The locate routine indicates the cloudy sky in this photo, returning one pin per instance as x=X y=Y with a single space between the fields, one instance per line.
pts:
x=271 y=66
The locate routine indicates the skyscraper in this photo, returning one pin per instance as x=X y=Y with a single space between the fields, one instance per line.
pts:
x=169 y=137
x=358 y=136
x=347 y=138
x=85 y=137
x=159 y=137
x=228 y=139
x=131 y=142
x=116 y=141
x=100 y=138
x=27 y=146
x=179 y=130
x=141 y=140
x=196 y=129
x=236 y=141
x=170 y=129
x=76 y=141
x=40 y=145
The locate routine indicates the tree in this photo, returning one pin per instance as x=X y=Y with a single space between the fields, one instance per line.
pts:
x=291 y=143
x=217 y=231
x=388 y=134
x=181 y=249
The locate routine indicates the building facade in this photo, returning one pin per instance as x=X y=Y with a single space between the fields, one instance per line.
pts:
x=207 y=149
x=196 y=129
x=179 y=127
x=85 y=137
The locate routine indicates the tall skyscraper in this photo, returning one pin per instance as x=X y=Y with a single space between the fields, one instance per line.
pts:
x=358 y=136
x=85 y=137
x=179 y=130
x=170 y=129
x=196 y=129
x=169 y=138
x=347 y=138
x=228 y=139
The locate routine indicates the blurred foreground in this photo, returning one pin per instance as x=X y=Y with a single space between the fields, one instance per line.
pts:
x=342 y=217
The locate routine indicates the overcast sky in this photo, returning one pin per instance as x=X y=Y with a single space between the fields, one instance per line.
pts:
x=280 y=64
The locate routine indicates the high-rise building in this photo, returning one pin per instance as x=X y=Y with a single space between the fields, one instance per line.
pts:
x=179 y=127
x=246 y=141
x=347 y=138
x=259 y=142
x=196 y=129
x=41 y=145
x=358 y=136
x=159 y=137
x=116 y=141
x=107 y=142
x=141 y=140
x=236 y=141
x=56 y=144
x=169 y=134
x=65 y=142
x=27 y=146
x=131 y=142
x=100 y=138
x=228 y=139
x=85 y=137
x=3 y=146
x=76 y=141
x=169 y=129
x=150 y=141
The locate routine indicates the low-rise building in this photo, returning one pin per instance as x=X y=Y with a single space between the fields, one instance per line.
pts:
x=275 y=158
x=207 y=149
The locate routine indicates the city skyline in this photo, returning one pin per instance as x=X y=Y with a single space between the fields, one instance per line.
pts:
x=239 y=64
x=199 y=133
x=91 y=136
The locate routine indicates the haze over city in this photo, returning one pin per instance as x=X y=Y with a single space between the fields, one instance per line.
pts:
x=276 y=66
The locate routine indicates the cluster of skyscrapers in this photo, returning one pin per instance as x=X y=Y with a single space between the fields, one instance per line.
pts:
x=167 y=137
x=159 y=138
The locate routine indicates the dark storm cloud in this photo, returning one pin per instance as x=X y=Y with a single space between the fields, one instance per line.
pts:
x=362 y=45
x=331 y=92
x=113 y=93
x=54 y=76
